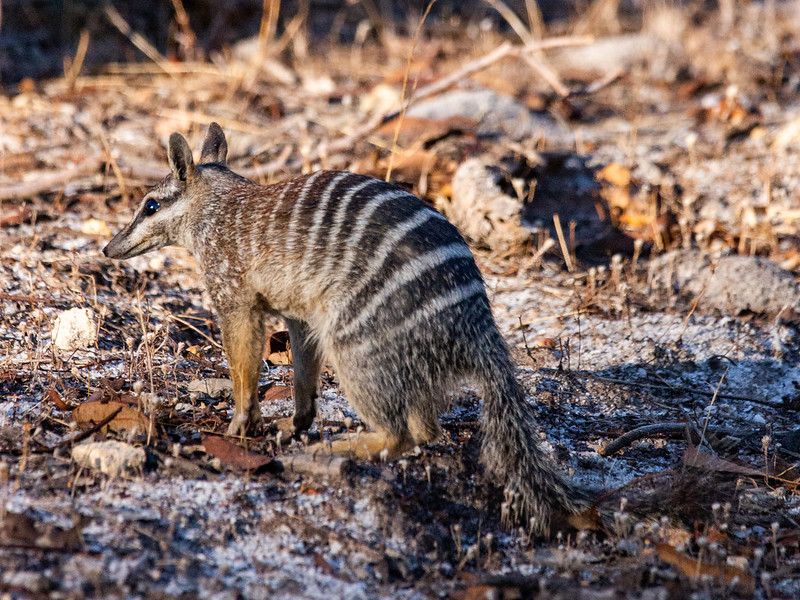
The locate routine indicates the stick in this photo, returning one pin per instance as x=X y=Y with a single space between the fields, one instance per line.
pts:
x=644 y=431
x=502 y=51
x=317 y=464
x=136 y=39
x=669 y=388
x=50 y=181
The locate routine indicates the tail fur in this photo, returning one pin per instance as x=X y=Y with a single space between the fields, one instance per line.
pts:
x=534 y=492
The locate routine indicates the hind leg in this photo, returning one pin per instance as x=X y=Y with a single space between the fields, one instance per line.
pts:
x=307 y=366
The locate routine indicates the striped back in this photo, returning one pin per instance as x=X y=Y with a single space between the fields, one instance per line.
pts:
x=385 y=254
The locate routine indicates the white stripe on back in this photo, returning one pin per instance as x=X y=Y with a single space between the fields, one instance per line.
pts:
x=338 y=221
x=390 y=241
x=290 y=243
x=362 y=221
x=319 y=216
x=408 y=272
x=424 y=312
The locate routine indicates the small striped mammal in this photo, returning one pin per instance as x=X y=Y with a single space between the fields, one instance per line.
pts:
x=369 y=279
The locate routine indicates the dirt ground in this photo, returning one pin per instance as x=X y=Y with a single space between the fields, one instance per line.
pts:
x=654 y=320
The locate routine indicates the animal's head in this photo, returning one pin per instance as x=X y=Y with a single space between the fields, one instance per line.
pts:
x=160 y=219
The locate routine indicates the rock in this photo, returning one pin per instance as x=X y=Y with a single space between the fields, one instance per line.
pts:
x=216 y=387
x=495 y=114
x=30 y=581
x=481 y=210
x=110 y=457
x=75 y=329
x=738 y=283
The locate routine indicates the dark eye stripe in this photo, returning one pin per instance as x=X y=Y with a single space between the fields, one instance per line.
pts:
x=150 y=207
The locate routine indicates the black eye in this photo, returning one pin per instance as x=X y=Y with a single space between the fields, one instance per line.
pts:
x=150 y=207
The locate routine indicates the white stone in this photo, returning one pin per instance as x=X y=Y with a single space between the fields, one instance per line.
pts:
x=110 y=457
x=74 y=329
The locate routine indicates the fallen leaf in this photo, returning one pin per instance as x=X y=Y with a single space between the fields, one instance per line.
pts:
x=231 y=454
x=615 y=174
x=727 y=574
x=55 y=398
x=694 y=457
x=277 y=392
x=128 y=419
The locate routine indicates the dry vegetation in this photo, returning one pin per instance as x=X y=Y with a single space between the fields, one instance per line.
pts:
x=630 y=182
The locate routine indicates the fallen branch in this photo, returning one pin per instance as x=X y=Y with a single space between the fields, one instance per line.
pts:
x=506 y=49
x=666 y=388
x=50 y=181
x=644 y=431
x=315 y=464
x=85 y=434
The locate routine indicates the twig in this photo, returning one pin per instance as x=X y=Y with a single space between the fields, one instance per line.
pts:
x=502 y=51
x=645 y=431
x=30 y=299
x=196 y=330
x=85 y=434
x=74 y=69
x=399 y=124
x=50 y=181
x=136 y=39
x=565 y=251
x=670 y=388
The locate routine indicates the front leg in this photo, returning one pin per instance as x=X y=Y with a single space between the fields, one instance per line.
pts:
x=243 y=338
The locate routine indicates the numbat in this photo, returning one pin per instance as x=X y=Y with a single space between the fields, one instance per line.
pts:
x=368 y=278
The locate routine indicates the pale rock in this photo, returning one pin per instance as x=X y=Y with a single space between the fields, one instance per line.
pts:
x=216 y=387
x=74 y=329
x=110 y=457
x=481 y=210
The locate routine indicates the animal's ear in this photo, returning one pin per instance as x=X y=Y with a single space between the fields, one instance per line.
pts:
x=215 y=148
x=180 y=157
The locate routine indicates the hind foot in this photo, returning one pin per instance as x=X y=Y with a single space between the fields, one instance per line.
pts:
x=372 y=445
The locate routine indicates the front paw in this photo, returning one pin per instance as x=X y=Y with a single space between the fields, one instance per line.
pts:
x=243 y=425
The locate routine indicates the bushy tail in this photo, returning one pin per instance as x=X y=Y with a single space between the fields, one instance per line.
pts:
x=534 y=491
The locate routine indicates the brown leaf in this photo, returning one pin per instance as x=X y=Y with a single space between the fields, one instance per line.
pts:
x=277 y=350
x=128 y=418
x=277 y=392
x=55 y=398
x=694 y=457
x=230 y=454
x=745 y=584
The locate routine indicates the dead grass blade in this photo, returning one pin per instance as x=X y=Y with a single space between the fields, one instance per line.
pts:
x=742 y=582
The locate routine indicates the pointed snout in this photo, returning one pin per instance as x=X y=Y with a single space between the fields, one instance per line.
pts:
x=122 y=246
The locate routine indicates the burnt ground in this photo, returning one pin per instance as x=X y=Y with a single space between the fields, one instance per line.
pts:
x=671 y=303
